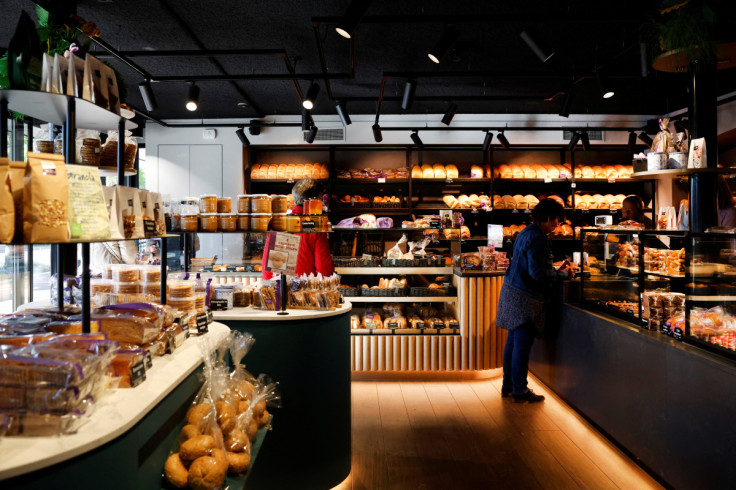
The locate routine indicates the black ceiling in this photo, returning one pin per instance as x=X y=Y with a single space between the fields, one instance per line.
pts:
x=512 y=79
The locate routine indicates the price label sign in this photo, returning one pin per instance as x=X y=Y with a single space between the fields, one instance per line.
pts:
x=381 y=180
x=202 y=324
x=289 y=181
x=547 y=180
x=678 y=333
x=664 y=329
x=282 y=251
x=495 y=236
x=137 y=374
x=448 y=181
x=611 y=181
x=149 y=360
x=218 y=304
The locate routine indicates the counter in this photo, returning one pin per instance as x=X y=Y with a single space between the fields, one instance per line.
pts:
x=670 y=405
x=128 y=437
x=308 y=354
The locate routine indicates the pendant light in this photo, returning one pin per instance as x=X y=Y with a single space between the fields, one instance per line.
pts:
x=408 y=99
x=149 y=99
x=377 y=136
x=444 y=45
x=307 y=121
x=242 y=137
x=487 y=142
x=312 y=134
x=603 y=85
x=585 y=140
x=311 y=96
x=566 y=103
x=502 y=139
x=573 y=141
x=342 y=112
x=417 y=140
x=193 y=98
x=449 y=114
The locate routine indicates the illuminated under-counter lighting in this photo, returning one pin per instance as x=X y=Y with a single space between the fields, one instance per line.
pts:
x=193 y=98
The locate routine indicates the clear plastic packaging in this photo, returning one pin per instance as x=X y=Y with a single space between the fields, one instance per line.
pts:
x=109 y=155
x=150 y=273
x=181 y=289
x=97 y=286
x=127 y=365
x=125 y=273
x=225 y=293
x=182 y=303
x=127 y=287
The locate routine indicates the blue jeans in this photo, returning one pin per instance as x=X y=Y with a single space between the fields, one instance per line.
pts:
x=516 y=358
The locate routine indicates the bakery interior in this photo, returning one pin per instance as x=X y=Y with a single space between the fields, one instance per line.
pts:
x=433 y=132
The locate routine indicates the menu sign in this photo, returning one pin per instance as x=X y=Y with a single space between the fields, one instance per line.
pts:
x=495 y=236
x=282 y=252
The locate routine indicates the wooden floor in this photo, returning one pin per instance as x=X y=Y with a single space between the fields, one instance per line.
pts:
x=463 y=435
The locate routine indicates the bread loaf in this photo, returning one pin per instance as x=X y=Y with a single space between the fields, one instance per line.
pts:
x=509 y=202
x=299 y=171
x=517 y=172
x=439 y=171
x=476 y=172
x=450 y=201
x=599 y=172
x=564 y=171
x=531 y=201
x=416 y=172
x=281 y=171
x=505 y=172
x=451 y=171
x=529 y=173
x=540 y=171
x=520 y=202
x=588 y=172
x=255 y=171
x=427 y=172
x=272 y=171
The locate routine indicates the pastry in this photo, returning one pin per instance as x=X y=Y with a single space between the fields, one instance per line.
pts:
x=588 y=172
x=225 y=416
x=236 y=441
x=237 y=462
x=196 y=447
x=197 y=413
x=206 y=473
x=175 y=471
x=451 y=233
x=452 y=172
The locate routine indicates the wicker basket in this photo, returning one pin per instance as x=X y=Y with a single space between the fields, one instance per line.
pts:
x=355 y=262
x=437 y=292
x=350 y=292
x=383 y=292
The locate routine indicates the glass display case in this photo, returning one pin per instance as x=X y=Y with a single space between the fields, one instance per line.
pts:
x=711 y=291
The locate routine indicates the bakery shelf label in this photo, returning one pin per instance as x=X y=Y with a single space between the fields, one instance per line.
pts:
x=283 y=249
x=202 y=323
x=137 y=374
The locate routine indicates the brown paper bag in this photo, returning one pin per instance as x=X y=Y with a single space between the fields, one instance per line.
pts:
x=88 y=218
x=159 y=215
x=17 y=174
x=147 y=205
x=7 y=207
x=45 y=199
x=113 y=212
x=111 y=81
x=75 y=77
x=131 y=216
x=95 y=85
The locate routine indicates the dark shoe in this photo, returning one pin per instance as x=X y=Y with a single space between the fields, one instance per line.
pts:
x=505 y=394
x=528 y=397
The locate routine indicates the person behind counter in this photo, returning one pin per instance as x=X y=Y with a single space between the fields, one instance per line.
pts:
x=525 y=296
x=632 y=209
x=726 y=209
x=314 y=248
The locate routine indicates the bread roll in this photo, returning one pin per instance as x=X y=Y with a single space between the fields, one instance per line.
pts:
x=197 y=413
x=225 y=416
x=505 y=172
x=451 y=171
x=599 y=172
x=427 y=172
x=531 y=201
x=529 y=173
x=540 y=171
x=281 y=171
x=189 y=431
x=476 y=172
x=498 y=202
x=439 y=171
x=517 y=172
x=196 y=447
x=255 y=171
x=509 y=202
x=237 y=462
x=552 y=171
x=236 y=441
x=450 y=201
x=206 y=473
x=175 y=471
x=588 y=172
x=521 y=202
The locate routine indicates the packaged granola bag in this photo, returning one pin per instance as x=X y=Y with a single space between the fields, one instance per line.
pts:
x=130 y=217
x=45 y=199
x=75 y=77
x=113 y=212
x=87 y=210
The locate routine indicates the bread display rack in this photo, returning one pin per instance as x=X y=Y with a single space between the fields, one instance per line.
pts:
x=70 y=113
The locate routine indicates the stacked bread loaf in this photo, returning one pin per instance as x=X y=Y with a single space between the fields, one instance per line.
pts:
x=563 y=171
x=464 y=201
x=597 y=201
x=449 y=171
x=289 y=171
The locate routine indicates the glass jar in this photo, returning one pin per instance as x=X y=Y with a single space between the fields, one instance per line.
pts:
x=313 y=206
x=278 y=204
x=293 y=223
x=209 y=221
x=243 y=203
x=228 y=222
x=244 y=222
x=260 y=221
x=260 y=203
x=225 y=205
x=278 y=222
x=208 y=203
x=189 y=222
x=321 y=223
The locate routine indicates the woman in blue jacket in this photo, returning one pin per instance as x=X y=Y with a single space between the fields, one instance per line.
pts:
x=521 y=308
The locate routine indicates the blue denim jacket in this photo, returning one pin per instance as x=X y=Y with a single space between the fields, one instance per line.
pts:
x=531 y=269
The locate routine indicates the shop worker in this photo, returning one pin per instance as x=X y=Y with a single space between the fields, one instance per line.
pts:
x=632 y=209
x=314 y=248
x=726 y=210
x=525 y=296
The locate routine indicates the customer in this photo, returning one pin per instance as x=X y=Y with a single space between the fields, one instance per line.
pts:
x=632 y=209
x=104 y=253
x=726 y=209
x=314 y=248
x=524 y=296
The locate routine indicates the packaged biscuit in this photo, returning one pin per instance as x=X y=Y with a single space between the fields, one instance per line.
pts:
x=129 y=220
x=45 y=199
x=88 y=218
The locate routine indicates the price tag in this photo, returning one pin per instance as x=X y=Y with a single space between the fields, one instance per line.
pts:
x=438 y=325
x=420 y=325
x=515 y=211
x=629 y=311
x=573 y=185
x=210 y=317
x=149 y=228
x=527 y=211
x=645 y=322
x=474 y=211
x=381 y=180
x=392 y=325
x=611 y=181
x=185 y=330
x=585 y=211
x=678 y=333
x=137 y=374
x=307 y=226
x=664 y=329
x=289 y=181
x=448 y=181
x=202 y=322
x=218 y=304
x=170 y=344
x=149 y=360
x=547 y=180
x=367 y=257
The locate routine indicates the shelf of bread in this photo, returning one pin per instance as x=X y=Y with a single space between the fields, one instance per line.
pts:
x=562 y=171
x=677 y=172
x=442 y=172
x=287 y=171
x=392 y=271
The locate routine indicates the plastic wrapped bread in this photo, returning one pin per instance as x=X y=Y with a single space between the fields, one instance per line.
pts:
x=521 y=202
x=509 y=202
x=476 y=172
x=531 y=201
x=439 y=171
x=451 y=171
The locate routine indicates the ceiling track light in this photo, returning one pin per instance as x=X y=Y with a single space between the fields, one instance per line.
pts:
x=487 y=142
x=573 y=141
x=417 y=140
x=342 y=111
x=350 y=20
x=149 y=99
x=603 y=85
x=502 y=139
x=585 y=140
x=566 y=103
x=254 y=129
x=193 y=98
x=444 y=45
x=377 y=136
x=410 y=89
x=312 y=134
x=632 y=141
x=242 y=137
x=535 y=46
x=449 y=114
x=307 y=121
x=644 y=138
x=311 y=96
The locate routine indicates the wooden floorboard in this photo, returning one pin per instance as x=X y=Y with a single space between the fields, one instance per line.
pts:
x=463 y=435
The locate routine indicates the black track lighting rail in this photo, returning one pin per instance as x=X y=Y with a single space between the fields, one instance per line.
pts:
x=580 y=129
x=252 y=76
x=190 y=53
x=555 y=16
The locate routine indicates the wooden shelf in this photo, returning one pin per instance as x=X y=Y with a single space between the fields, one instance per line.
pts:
x=113 y=172
x=391 y=271
x=381 y=181
x=695 y=297
x=52 y=108
x=403 y=299
x=681 y=172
